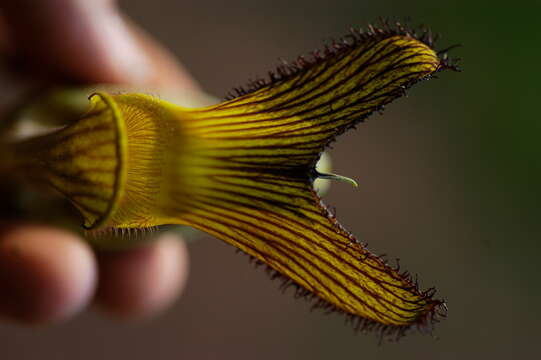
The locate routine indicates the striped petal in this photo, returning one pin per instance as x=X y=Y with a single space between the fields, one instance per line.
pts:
x=243 y=170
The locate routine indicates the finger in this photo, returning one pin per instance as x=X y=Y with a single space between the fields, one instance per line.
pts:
x=145 y=280
x=90 y=42
x=46 y=274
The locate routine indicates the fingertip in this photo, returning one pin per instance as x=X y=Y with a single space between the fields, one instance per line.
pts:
x=143 y=281
x=46 y=274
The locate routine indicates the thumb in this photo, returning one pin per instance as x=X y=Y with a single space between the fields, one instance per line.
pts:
x=89 y=42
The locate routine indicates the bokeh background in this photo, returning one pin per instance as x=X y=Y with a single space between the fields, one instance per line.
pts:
x=450 y=182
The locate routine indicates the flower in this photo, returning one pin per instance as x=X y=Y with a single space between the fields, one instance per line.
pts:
x=243 y=170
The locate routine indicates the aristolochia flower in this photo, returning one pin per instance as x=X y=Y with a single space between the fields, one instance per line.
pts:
x=243 y=170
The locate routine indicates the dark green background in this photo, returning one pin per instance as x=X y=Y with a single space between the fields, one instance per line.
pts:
x=449 y=182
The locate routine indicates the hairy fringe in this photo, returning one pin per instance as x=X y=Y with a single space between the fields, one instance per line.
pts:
x=132 y=234
x=390 y=333
x=382 y=29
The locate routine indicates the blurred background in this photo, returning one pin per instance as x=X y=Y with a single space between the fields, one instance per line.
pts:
x=449 y=183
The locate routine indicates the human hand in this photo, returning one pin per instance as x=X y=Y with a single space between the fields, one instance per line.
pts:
x=48 y=274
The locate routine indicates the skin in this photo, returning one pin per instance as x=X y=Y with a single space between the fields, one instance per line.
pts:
x=49 y=274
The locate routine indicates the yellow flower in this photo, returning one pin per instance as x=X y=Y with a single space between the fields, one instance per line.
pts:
x=243 y=170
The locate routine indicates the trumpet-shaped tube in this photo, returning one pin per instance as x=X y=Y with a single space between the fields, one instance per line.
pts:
x=243 y=170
